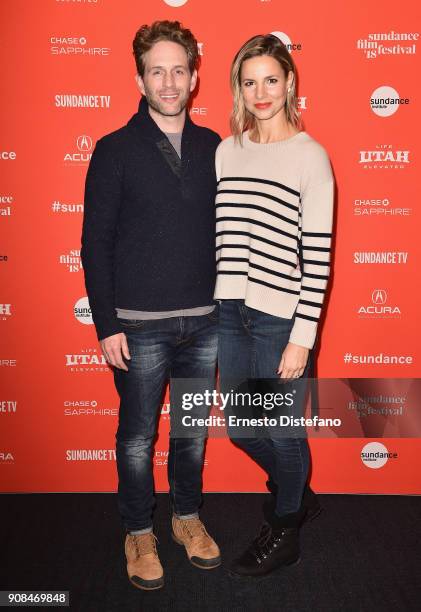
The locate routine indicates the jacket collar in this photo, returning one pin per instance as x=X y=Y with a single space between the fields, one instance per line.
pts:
x=145 y=126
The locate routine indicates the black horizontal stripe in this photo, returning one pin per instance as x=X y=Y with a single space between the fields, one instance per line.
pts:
x=308 y=303
x=256 y=207
x=304 y=288
x=257 y=267
x=314 y=262
x=233 y=259
x=255 y=252
x=259 y=223
x=260 y=194
x=282 y=247
x=259 y=180
x=317 y=234
x=260 y=282
x=280 y=274
x=303 y=316
x=314 y=248
x=320 y=276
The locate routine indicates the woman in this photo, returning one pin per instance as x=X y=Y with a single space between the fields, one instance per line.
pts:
x=274 y=221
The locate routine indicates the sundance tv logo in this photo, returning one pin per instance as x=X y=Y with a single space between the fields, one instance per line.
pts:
x=90 y=454
x=375 y=455
x=82 y=156
x=380 y=257
x=384 y=157
x=8 y=406
x=379 y=309
x=385 y=101
x=82 y=101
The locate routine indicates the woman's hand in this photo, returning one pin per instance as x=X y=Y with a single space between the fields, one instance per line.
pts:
x=293 y=361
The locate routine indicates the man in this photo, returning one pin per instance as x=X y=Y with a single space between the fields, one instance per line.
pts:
x=149 y=261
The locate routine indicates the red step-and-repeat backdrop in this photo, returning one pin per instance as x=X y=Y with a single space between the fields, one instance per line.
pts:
x=68 y=78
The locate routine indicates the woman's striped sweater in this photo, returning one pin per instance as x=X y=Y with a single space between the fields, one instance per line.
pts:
x=274 y=210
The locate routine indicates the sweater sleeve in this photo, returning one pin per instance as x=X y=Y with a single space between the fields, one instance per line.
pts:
x=317 y=213
x=102 y=203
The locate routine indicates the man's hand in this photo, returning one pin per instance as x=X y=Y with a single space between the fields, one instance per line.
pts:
x=293 y=361
x=115 y=348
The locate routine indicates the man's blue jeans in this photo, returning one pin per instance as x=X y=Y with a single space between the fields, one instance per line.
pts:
x=250 y=347
x=178 y=347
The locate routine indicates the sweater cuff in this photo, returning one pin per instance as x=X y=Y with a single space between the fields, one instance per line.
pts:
x=107 y=327
x=303 y=333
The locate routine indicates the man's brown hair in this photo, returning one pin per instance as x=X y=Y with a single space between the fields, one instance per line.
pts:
x=172 y=31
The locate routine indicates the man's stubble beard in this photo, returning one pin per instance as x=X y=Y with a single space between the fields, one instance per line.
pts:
x=156 y=104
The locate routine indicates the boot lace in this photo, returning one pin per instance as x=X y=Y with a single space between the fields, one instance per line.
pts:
x=194 y=527
x=265 y=543
x=144 y=544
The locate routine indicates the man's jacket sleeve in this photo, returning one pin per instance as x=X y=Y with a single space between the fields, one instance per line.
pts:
x=102 y=204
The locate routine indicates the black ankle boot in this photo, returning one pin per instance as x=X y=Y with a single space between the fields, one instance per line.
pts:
x=276 y=546
x=310 y=505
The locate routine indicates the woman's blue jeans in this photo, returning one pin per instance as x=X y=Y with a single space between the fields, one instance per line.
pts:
x=250 y=346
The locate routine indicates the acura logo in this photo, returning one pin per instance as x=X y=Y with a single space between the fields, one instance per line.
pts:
x=84 y=143
x=379 y=296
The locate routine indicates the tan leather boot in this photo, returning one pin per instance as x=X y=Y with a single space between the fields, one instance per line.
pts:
x=201 y=549
x=143 y=566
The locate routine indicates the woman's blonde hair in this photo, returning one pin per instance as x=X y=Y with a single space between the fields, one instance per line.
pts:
x=241 y=118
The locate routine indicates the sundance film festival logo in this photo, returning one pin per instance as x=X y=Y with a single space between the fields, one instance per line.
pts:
x=71 y=260
x=379 y=309
x=82 y=311
x=82 y=101
x=82 y=156
x=380 y=207
x=375 y=455
x=378 y=405
x=291 y=46
x=75 y=46
x=5 y=205
x=384 y=157
x=388 y=43
x=88 y=360
x=385 y=101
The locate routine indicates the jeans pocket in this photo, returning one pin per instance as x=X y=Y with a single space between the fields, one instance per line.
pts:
x=214 y=315
x=132 y=323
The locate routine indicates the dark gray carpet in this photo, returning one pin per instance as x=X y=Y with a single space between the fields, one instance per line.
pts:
x=362 y=554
